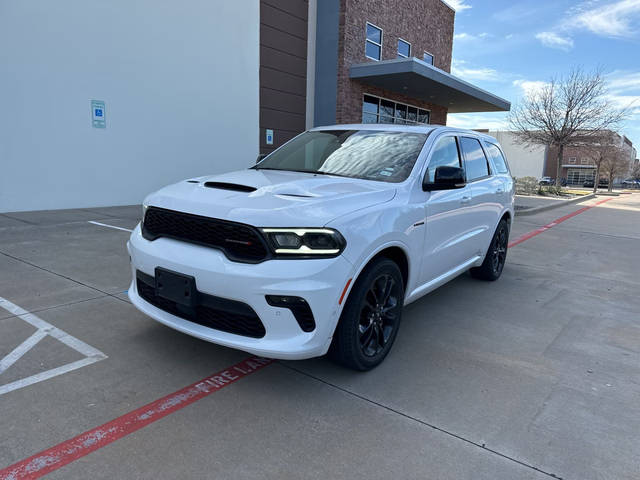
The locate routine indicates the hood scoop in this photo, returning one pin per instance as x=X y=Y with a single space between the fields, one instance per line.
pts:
x=234 y=187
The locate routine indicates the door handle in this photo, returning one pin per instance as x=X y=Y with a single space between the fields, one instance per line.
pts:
x=465 y=199
x=499 y=191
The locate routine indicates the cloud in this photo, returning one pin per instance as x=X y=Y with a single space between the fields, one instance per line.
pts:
x=553 y=40
x=615 y=19
x=458 y=5
x=519 y=12
x=469 y=121
x=624 y=91
x=468 y=36
x=605 y=18
x=530 y=87
x=474 y=73
x=620 y=81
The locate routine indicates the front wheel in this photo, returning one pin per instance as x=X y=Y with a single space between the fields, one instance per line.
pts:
x=496 y=256
x=371 y=317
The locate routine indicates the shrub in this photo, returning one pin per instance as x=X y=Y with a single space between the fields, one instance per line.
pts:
x=526 y=185
x=550 y=190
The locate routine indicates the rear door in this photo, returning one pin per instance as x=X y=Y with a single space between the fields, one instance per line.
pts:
x=487 y=192
x=448 y=216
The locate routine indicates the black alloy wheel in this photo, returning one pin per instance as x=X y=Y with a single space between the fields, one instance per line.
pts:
x=496 y=256
x=499 y=249
x=371 y=317
x=378 y=315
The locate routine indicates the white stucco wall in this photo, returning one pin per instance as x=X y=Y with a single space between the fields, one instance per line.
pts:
x=523 y=161
x=180 y=82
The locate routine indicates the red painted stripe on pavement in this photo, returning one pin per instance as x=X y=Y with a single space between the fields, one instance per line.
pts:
x=546 y=227
x=91 y=440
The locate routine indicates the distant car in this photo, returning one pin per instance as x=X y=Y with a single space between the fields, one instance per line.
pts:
x=552 y=181
x=631 y=183
x=602 y=183
x=547 y=181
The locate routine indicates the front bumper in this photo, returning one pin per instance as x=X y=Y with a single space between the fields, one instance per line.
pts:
x=318 y=281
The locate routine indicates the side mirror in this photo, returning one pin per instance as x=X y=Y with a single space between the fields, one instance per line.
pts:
x=260 y=157
x=446 y=178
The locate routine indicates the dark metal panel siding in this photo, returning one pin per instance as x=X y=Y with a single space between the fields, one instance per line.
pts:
x=327 y=30
x=283 y=69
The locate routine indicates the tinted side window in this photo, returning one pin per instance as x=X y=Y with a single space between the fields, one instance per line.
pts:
x=497 y=157
x=445 y=153
x=475 y=163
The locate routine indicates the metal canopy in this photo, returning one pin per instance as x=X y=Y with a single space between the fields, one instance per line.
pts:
x=415 y=78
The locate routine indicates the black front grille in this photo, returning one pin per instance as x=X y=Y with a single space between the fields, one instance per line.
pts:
x=239 y=242
x=210 y=311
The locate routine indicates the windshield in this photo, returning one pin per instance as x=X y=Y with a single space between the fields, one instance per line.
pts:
x=368 y=154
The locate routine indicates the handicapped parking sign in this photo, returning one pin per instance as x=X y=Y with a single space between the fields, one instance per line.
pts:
x=98 y=119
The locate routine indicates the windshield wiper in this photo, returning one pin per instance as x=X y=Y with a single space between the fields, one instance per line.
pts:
x=317 y=172
x=332 y=174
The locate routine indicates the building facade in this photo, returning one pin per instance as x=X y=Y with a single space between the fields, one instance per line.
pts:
x=524 y=160
x=109 y=101
x=578 y=163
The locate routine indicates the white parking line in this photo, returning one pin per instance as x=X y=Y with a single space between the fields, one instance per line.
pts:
x=110 y=226
x=43 y=329
x=21 y=349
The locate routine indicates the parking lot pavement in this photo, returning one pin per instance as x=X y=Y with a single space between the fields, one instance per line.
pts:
x=533 y=376
x=532 y=201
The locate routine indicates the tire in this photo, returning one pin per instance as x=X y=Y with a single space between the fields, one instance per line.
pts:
x=496 y=256
x=371 y=317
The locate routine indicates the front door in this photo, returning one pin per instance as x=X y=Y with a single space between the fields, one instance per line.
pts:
x=449 y=238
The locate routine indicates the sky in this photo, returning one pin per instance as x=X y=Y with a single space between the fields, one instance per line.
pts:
x=512 y=47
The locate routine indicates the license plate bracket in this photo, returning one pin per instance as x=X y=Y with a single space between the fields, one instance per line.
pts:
x=176 y=287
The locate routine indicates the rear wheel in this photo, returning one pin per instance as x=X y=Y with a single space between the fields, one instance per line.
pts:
x=496 y=256
x=371 y=317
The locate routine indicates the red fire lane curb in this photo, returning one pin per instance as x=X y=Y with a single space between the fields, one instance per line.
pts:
x=546 y=227
x=91 y=440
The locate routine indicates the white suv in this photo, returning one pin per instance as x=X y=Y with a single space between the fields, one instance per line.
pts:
x=317 y=247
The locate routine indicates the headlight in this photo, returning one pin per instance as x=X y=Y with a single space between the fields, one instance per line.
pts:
x=309 y=242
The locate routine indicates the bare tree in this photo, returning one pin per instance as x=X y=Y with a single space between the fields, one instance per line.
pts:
x=599 y=149
x=564 y=108
x=614 y=165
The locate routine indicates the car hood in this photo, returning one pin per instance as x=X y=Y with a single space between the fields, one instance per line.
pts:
x=272 y=198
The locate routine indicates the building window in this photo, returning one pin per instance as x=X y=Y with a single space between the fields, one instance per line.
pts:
x=585 y=161
x=373 y=45
x=572 y=160
x=381 y=110
x=577 y=176
x=427 y=57
x=404 y=48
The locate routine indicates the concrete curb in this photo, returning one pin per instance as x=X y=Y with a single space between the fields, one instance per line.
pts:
x=533 y=211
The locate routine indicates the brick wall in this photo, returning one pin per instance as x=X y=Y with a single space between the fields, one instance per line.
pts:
x=550 y=165
x=426 y=24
